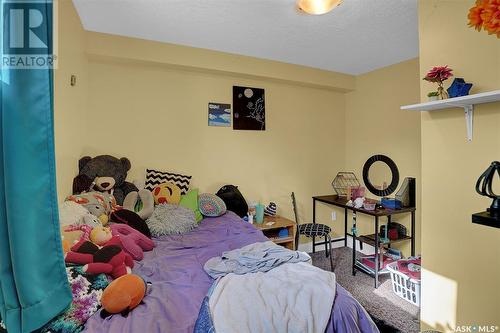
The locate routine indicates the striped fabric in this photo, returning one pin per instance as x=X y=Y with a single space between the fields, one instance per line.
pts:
x=155 y=178
x=270 y=210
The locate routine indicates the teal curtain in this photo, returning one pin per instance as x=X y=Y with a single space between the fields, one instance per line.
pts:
x=33 y=282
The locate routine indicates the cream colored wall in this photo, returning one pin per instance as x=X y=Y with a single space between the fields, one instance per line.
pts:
x=158 y=118
x=126 y=49
x=461 y=259
x=69 y=102
x=376 y=125
x=125 y=82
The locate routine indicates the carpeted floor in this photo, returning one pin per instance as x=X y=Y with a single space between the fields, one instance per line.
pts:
x=390 y=312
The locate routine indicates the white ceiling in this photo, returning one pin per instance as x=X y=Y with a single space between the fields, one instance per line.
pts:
x=357 y=37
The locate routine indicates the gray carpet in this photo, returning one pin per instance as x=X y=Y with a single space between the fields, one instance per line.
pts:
x=381 y=303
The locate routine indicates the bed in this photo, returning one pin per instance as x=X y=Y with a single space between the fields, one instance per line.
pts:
x=179 y=283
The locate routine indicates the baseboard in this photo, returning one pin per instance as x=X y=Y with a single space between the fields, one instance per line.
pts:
x=367 y=249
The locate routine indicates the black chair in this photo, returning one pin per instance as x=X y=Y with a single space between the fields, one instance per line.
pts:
x=311 y=230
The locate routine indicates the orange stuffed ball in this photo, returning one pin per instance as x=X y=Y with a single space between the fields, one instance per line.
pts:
x=123 y=295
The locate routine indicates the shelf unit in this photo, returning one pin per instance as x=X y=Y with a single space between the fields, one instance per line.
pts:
x=282 y=240
x=377 y=214
x=370 y=240
x=465 y=102
x=278 y=223
x=368 y=270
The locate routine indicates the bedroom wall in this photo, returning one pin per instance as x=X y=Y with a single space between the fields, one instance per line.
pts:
x=461 y=259
x=156 y=115
x=129 y=91
x=69 y=102
x=376 y=125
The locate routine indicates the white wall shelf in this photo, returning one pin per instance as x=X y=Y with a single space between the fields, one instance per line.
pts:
x=465 y=102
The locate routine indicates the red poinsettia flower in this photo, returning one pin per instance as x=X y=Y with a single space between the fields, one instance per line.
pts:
x=439 y=74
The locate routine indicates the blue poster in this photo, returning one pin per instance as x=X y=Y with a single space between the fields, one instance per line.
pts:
x=219 y=114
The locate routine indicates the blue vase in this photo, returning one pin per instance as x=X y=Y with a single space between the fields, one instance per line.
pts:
x=459 y=88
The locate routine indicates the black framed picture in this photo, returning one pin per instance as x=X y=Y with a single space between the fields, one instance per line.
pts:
x=249 y=112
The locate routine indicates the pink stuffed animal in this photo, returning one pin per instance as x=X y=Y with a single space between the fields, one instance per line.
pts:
x=133 y=242
x=86 y=229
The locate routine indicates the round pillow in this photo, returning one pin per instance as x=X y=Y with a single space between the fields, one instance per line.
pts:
x=167 y=193
x=211 y=205
x=170 y=219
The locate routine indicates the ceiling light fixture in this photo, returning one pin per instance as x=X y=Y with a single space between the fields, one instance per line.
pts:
x=317 y=7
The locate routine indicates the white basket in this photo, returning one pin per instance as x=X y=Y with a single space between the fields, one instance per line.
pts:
x=403 y=285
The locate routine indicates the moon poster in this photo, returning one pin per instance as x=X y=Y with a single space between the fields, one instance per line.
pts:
x=219 y=114
x=249 y=111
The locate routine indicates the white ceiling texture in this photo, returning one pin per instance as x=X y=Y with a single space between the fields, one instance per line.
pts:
x=356 y=37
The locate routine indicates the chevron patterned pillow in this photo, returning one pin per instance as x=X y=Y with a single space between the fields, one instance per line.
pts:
x=155 y=178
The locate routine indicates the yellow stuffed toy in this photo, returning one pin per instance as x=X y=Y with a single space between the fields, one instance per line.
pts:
x=100 y=235
x=69 y=238
x=167 y=193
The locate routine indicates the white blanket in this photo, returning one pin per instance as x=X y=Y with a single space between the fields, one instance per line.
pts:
x=293 y=297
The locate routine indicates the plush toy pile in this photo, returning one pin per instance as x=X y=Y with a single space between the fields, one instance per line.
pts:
x=99 y=235
x=107 y=222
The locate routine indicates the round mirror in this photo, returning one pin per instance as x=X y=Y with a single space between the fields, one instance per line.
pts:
x=381 y=175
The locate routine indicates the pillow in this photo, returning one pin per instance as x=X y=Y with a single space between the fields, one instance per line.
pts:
x=211 y=205
x=167 y=193
x=170 y=219
x=155 y=178
x=131 y=219
x=190 y=200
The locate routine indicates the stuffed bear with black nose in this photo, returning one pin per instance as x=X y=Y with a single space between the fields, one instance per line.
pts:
x=104 y=173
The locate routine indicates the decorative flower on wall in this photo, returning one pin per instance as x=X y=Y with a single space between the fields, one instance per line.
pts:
x=438 y=75
x=486 y=15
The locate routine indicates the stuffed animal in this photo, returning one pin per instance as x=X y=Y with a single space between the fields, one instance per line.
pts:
x=167 y=193
x=84 y=231
x=133 y=242
x=66 y=246
x=109 y=259
x=71 y=237
x=104 y=173
x=72 y=218
x=141 y=202
x=97 y=203
x=72 y=213
x=101 y=236
x=131 y=219
x=270 y=210
x=123 y=295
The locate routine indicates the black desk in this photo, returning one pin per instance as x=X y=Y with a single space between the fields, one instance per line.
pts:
x=369 y=239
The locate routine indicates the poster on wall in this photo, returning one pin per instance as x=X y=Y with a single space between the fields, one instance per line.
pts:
x=249 y=112
x=219 y=114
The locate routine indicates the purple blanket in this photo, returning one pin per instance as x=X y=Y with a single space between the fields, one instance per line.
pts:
x=179 y=283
